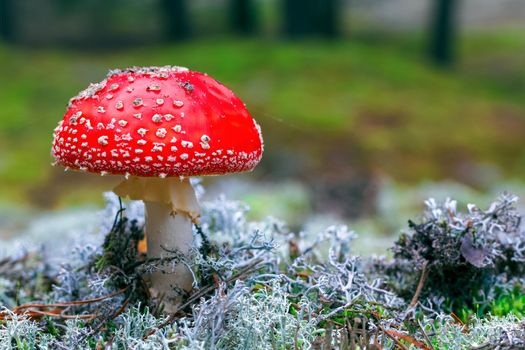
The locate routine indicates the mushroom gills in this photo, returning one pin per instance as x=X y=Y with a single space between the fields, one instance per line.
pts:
x=172 y=191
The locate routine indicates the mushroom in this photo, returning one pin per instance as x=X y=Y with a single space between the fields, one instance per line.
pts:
x=158 y=126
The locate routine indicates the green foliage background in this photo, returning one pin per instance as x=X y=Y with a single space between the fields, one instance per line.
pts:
x=372 y=101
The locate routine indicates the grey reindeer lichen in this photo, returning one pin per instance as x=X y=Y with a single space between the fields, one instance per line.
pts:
x=465 y=254
x=269 y=288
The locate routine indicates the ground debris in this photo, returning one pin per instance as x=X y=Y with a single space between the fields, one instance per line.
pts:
x=250 y=293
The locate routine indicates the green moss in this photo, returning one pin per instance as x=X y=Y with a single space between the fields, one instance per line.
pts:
x=506 y=302
x=378 y=97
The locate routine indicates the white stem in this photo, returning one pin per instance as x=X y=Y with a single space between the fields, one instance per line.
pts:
x=171 y=206
x=165 y=232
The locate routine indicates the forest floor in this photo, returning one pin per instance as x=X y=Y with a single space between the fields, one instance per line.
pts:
x=454 y=280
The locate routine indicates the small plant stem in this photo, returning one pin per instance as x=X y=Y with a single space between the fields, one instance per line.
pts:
x=427 y=338
x=420 y=285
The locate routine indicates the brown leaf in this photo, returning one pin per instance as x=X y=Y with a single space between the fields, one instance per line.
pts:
x=407 y=338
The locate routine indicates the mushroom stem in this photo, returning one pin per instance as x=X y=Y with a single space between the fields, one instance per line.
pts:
x=168 y=232
x=171 y=207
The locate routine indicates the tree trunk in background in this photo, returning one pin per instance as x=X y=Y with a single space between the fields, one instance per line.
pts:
x=329 y=11
x=303 y=18
x=100 y=14
x=7 y=32
x=443 y=32
x=243 y=16
x=176 y=19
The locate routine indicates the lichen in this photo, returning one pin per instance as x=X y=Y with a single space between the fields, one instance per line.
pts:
x=260 y=286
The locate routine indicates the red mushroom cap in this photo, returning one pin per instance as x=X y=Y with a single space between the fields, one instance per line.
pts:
x=158 y=121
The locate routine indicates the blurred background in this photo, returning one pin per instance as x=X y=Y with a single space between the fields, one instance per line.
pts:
x=367 y=106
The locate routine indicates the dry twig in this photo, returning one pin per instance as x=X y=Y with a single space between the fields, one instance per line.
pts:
x=420 y=285
x=31 y=310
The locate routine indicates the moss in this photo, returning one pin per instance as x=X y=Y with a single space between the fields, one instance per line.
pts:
x=379 y=98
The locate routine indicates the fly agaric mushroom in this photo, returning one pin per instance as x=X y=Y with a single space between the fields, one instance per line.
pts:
x=157 y=126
